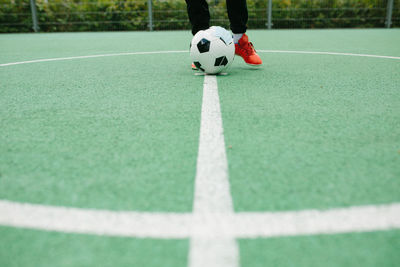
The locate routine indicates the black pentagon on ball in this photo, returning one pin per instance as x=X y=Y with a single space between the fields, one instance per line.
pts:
x=203 y=45
x=198 y=65
x=221 y=61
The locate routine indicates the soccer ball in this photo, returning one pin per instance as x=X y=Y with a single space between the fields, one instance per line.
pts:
x=212 y=50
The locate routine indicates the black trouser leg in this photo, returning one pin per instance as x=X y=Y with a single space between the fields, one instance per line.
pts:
x=199 y=15
x=238 y=16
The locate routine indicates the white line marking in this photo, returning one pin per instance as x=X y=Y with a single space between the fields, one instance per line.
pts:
x=212 y=194
x=209 y=226
x=311 y=222
x=98 y=222
x=184 y=51
x=90 y=56
x=326 y=53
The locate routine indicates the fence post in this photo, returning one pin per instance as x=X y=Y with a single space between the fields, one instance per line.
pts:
x=150 y=10
x=269 y=15
x=389 y=11
x=34 y=16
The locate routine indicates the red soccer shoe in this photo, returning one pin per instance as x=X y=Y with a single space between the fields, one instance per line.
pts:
x=194 y=67
x=246 y=50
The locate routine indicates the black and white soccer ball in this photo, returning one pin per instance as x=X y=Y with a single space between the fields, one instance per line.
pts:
x=212 y=50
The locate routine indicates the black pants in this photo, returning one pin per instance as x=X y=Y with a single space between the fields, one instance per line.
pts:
x=199 y=15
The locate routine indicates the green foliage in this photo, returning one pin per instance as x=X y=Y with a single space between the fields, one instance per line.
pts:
x=106 y=15
x=329 y=13
x=15 y=16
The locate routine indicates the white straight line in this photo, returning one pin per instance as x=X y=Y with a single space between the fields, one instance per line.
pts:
x=98 y=222
x=312 y=222
x=212 y=194
x=326 y=53
x=212 y=226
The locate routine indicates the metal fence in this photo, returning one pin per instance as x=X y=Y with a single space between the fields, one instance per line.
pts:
x=107 y=15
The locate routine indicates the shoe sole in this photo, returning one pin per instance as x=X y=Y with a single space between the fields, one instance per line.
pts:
x=254 y=65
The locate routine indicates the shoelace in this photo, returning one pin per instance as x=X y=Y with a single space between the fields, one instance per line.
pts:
x=248 y=48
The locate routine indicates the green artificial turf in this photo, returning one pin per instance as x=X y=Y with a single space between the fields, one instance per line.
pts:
x=121 y=133
x=20 y=47
x=111 y=133
x=361 y=41
x=117 y=133
x=314 y=131
x=355 y=249
x=20 y=247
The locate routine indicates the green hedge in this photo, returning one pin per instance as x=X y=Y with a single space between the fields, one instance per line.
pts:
x=105 y=15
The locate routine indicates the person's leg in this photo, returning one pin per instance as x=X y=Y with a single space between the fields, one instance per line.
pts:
x=238 y=15
x=199 y=15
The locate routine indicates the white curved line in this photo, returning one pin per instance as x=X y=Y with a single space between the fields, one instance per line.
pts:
x=184 y=51
x=90 y=56
x=326 y=53
x=211 y=225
